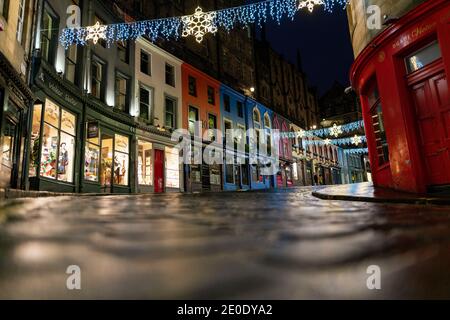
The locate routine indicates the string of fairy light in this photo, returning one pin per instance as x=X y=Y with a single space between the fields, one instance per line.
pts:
x=196 y=25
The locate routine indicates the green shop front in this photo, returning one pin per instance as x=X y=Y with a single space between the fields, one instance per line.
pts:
x=77 y=144
x=109 y=151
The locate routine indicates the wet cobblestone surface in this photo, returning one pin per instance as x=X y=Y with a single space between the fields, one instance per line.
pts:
x=268 y=245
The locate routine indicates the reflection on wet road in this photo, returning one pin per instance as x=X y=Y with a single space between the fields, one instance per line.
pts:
x=274 y=245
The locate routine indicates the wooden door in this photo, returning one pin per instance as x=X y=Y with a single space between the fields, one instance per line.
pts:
x=432 y=109
x=159 y=171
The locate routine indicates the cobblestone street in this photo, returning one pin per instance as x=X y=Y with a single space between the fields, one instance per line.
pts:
x=268 y=245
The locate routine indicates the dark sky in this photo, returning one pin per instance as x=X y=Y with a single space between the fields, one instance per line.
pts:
x=324 y=42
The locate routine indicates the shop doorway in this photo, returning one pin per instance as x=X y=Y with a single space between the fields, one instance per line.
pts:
x=106 y=162
x=431 y=101
x=159 y=171
x=9 y=150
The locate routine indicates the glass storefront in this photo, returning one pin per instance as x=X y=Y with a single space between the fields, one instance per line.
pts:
x=121 y=160
x=106 y=159
x=172 y=168
x=56 y=142
x=145 y=163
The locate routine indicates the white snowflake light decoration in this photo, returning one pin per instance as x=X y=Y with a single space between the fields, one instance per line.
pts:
x=301 y=133
x=336 y=131
x=356 y=140
x=199 y=24
x=310 y=4
x=327 y=142
x=96 y=32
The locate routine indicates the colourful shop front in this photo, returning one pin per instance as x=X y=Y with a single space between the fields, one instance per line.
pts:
x=285 y=173
x=75 y=143
x=402 y=80
x=261 y=144
x=157 y=162
x=233 y=114
x=201 y=117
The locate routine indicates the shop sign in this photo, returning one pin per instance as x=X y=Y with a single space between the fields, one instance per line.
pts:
x=93 y=130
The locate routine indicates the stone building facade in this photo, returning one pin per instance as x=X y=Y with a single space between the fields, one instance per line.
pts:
x=357 y=12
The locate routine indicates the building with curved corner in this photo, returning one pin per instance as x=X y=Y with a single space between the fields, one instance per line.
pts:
x=401 y=75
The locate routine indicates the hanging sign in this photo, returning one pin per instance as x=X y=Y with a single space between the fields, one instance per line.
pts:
x=93 y=130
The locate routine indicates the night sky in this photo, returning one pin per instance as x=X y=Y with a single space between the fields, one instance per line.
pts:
x=324 y=42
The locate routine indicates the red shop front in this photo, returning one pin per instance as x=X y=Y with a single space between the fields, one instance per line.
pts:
x=402 y=79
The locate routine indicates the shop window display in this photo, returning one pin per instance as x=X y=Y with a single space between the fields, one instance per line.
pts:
x=145 y=163
x=35 y=140
x=121 y=160
x=58 y=143
x=172 y=168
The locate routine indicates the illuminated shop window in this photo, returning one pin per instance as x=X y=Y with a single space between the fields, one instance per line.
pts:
x=35 y=140
x=92 y=160
x=58 y=143
x=423 y=57
x=376 y=112
x=145 y=163
x=121 y=160
x=172 y=168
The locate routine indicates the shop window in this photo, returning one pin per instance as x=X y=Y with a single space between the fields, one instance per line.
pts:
x=92 y=153
x=146 y=63
x=170 y=75
x=97 y=78
x=170 y=113
x=121 y=160
x=145 y=103
x=9 y=136
x=193 y=119
x=145 y=163
x=376 y=111
x=49 y=35
x=123 y=51
x=4 y=9
x=423 y=57
x=215 y=175
x=192 y=86
x=35 y=140
x=172 y=168
x=211 y=96
x=71 y=63
x=58 y=143
x=122 y=92
x=227 y=103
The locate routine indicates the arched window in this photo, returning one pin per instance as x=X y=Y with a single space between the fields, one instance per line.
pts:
x=267 y=122
x=256 y=117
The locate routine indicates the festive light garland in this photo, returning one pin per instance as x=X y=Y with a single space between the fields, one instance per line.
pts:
x=198 y=24
x=356 y=140
x=357 y=151
x=336 y=130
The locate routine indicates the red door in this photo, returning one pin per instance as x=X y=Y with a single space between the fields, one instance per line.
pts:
x=159 y=171
x=431 y=98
